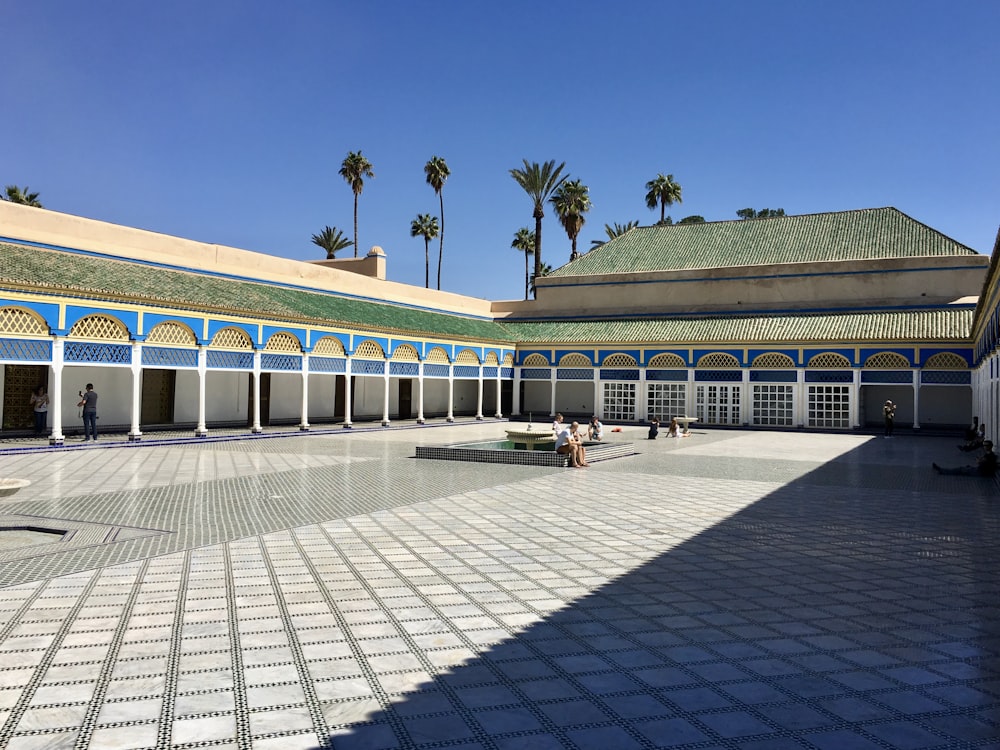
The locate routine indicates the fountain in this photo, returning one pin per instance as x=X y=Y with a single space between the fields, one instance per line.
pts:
x=11 y=486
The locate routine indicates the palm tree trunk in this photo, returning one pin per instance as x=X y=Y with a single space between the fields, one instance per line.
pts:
x=573 y=254
x=525 y=276
x=355 y=225
x=663 y=210
x=441 y=249
x=538 y=249
x=427 y=262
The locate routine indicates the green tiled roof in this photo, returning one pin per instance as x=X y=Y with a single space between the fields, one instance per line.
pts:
x=946 y=324
x=867 y=234
x=124 y=281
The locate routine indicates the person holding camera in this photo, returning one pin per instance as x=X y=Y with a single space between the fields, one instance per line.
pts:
x=88 y=400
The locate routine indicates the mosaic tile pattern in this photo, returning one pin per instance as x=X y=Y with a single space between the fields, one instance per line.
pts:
x=729 y=590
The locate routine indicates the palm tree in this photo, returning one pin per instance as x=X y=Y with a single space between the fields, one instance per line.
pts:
x=539 y=182
x=544 y=271
x=15 y=194
x=437 y=173
x=332 y=240
x=524 y=240
x=425 y=226
x=354 y=170
x=663 y=191
x=614 y=231
x=571 y=201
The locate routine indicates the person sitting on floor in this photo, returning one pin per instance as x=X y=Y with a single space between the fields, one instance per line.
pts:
x=977 y=441
x=654 y=428
x=595 y=430
x=985 y=466
x=674 y=430
x=971 y=432
x=568 y=443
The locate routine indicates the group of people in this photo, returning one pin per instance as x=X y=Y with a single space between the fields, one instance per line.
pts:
x=39 y=403
x=570 y=443
x=673 y=431
x=975 y=440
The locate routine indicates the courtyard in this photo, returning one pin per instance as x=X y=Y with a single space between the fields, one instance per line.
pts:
x=730 y=590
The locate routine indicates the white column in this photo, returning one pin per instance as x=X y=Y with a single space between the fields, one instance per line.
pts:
x=642 y=397
x=385 y=394
x=692 y=405
x=256 y=428
x=552 y=390
x=516 y=401
x=916 y=399
x=451 y=393
x=745 y=396
x=856 y=398
x=479 y=402
x=55 y=392
x=134 y=433
x=598 y=406
x=202 y=429
x=347 y=394
x=420 y=393
x=499 y=414
x=304 y=424
x=801 y=412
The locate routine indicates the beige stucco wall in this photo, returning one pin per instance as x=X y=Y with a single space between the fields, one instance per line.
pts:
x=64 y=230
x=792 y=286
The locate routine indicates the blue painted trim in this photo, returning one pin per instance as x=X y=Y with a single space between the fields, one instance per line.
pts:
x=128 y=318
x=235 y=277
x=47 y=311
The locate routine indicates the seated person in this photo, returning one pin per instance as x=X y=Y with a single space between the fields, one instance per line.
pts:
x=674 y=431
x=654 y=428
x=557 y=425
x=985 y=466
x=568 y=443
x=595 y=430
x=977 y=441
x=973 y=431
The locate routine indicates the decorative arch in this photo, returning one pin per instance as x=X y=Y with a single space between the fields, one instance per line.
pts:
x=887 y=361
x=719 y=360
x=232 y=338
x=21 y=322
x=405 y=353
x=535 y=360
x=369 y=349
x=508 y=360
x=329 y=346
x=467 y=357
x=437 y=356
x=619 y=360
x=666 y=360
x=172 y=333
x=772 y=360
x=829 y=360
x=946 y=361
x=99 y=328
x=491 y=359
x=575 y=360
x=283 y=342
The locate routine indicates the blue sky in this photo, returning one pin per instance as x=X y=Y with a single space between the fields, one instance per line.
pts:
x=227 y=121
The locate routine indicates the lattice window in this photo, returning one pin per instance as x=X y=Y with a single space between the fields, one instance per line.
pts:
x=14 y=320
x=619 y=360
x=369 y=350
x=829 y=406
x=438 y=356
x=491 y=359
x=619 y=402
x=717 y=404
x=329 y=346
x=666 y=400
x=718 y=360
x=772 y=360
x=467 y=357
x=575 y=360
x=773 y=405
x=232 y=338
x=508 y=360
x=535 y=360
x=405 y=353
x=283 y=342
x=887 y=361
x=173 y=334
x=829 y=360
x=945 y=361
x=99 y=328
x=667 y=360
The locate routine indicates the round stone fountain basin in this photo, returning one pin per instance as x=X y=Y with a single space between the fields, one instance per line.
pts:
x=529 y=438
x=11 y=486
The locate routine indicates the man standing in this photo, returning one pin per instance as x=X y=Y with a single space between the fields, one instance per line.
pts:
x=88 y=400
x=889 y=413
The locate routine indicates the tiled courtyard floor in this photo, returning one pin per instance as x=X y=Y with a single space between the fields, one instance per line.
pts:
x=730 y=590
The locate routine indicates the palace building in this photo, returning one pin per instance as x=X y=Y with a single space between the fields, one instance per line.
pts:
x=792 y=322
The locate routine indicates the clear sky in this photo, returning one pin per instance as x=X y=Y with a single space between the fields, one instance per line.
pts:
x=226 y=120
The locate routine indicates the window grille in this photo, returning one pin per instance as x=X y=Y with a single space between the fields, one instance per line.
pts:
x=14 y=320
x=619 y=360
x=491 y=359
x=718 y=404
x=718 y=359
x=99 y=328
x=829 y=360
x=666 y=360
x=466 y=357
x=508 y=360
x=575 y=360
x=369 y=350
x=535 y=360
x=773 y=405
x=619 y=402
x=829 y=406
x=405 y=353
x=666 y=400
x=887 y=361
x=172 y=334
x=438 y=356
x=945 y=361
x=231 y=338
x=329 y=346
x=283 y=342
x=772 y=360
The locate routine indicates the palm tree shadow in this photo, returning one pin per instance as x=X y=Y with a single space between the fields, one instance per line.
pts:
x=856 y=604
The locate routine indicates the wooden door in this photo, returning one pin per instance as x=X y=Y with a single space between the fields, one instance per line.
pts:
x=19 y=383
x=265 y=400
x=405 y=399
x=158 y=388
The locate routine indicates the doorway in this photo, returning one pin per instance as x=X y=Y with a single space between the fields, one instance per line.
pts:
x=157 y=405
x=19 y=383
x=405 y=399
x=265 y=400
